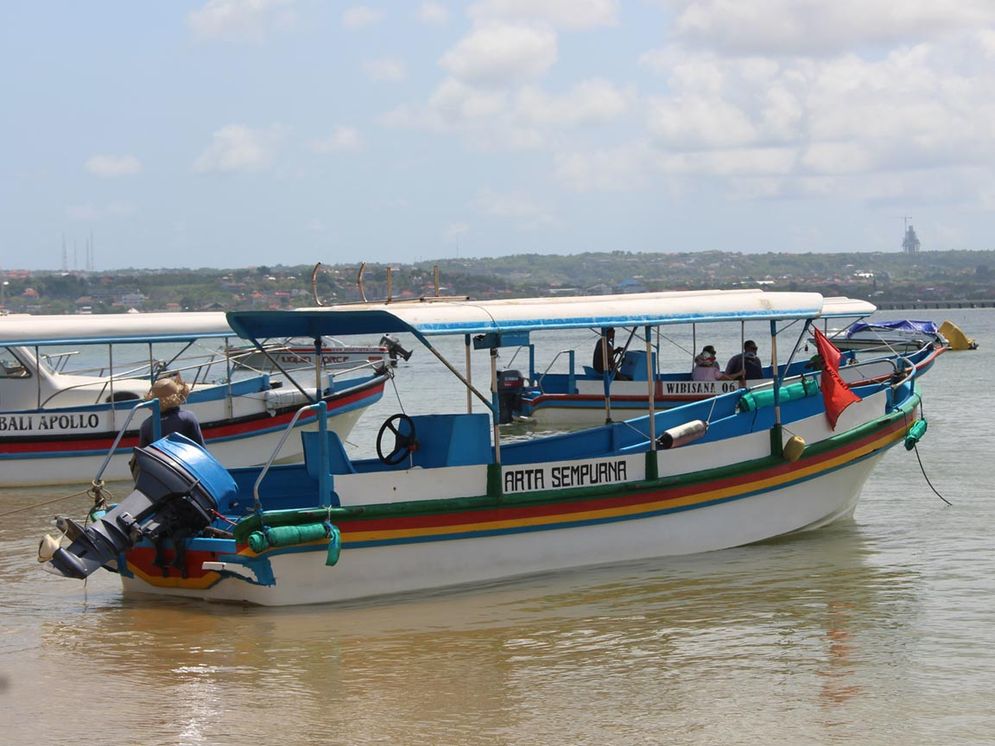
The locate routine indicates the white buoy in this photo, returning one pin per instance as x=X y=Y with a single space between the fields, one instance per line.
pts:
x=682 y=434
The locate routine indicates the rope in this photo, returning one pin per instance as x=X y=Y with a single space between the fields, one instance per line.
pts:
x=923 y=469
x=46 y=502
x=397 y=393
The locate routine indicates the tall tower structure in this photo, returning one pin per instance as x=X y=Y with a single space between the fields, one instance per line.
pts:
x=910 y=244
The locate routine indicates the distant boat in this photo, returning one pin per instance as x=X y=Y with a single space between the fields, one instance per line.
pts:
x=295 y=354
x=902 y=336
x=58 y=424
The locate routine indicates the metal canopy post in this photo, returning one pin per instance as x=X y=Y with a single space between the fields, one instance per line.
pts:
x=469 y=373
x=651 y=387
x=317 y=369
x=38 y=376
x=110 y=366
x=774 y=373
x=495 y=407
x=606 y=376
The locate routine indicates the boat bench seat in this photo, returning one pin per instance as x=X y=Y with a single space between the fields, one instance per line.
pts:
x=338 y=460
x=452 y=440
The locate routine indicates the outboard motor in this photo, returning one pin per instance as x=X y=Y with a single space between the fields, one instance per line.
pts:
x=511 y=385
x=177 y=486
x=394 y=349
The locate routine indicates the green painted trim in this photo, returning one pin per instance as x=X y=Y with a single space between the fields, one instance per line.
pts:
x=495 y=487
x=652 y=467
x=776 y=442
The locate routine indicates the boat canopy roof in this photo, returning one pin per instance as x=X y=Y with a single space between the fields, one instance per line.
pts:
x=23 y=330
x=437 y=317
x=839 y=306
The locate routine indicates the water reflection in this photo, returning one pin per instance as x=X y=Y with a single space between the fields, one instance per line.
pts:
x=511 y=660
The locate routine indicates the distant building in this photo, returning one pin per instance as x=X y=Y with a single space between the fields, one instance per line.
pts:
x=911 y=243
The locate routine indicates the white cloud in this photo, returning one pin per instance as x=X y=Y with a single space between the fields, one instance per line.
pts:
x=434 y=14
x=386 y=69
x=623 y=168
x=501 y=54
x=91 y=213
x=244 y=20
x=113 y=165
x=590 y=101
x=489 y=118
x=564 y=13
x=480 y=116
x=520 y=209
x=816 y=27
x=236 y=147
x=361 y=16
x=696 y=122
x=342 y=139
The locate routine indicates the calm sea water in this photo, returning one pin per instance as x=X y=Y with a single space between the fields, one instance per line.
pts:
x=880 y=631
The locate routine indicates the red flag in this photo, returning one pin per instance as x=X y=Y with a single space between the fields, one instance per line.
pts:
x=836 y=395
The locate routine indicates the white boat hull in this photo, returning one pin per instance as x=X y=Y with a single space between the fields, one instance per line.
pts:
x=246 y=451
x=303 y=578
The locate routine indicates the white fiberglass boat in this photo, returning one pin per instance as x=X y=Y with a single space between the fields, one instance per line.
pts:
x=56 y=423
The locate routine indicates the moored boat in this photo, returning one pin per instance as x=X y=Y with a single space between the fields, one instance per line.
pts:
x=577 y=396
x=446 y=502
x=56 y=423
x=901 y=336
x=334 y=354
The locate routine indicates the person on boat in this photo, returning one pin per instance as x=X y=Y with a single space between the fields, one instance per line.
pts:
x=706 y=367
x=605 y=350
x=746 y=365
x=171 y=393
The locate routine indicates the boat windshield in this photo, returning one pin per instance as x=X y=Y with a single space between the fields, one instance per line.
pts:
x=11 y=366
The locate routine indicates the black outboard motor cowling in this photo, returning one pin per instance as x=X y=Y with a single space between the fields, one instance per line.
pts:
x=511 y=385
x=178 y=487
x=394 y=349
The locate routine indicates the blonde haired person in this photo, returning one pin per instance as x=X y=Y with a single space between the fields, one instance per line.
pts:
x=171 y=393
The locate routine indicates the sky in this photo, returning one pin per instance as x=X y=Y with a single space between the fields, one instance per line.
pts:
x=232 y=133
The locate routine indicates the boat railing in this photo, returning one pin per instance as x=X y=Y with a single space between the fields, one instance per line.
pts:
x=321 y=408
x=58 y=361
x=571 y=354
x=152 y=404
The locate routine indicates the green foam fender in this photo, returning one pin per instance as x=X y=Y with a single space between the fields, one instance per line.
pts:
x=915 y=433
x=753 y=400
x=334 y=546
x=287 y=536
x=257 y=542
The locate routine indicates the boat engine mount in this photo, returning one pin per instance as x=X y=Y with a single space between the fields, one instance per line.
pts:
x=178 y=487
x=511 y=386
x=394 y=349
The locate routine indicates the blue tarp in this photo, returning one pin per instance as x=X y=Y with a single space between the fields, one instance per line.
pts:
x=904 y=326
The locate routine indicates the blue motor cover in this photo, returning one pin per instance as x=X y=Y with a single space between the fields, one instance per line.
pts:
x=178 y=488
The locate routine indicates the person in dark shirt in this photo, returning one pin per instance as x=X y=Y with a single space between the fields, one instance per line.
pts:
x=604 y=349
x=746 y=365
x=171 y=393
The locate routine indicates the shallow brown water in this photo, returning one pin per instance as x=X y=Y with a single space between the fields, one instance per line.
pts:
x=876 y=631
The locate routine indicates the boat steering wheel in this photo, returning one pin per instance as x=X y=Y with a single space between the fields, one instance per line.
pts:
x=617 y=358
x=403 y=428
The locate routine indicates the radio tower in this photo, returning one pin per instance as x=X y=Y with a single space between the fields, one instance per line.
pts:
x=910 y=244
